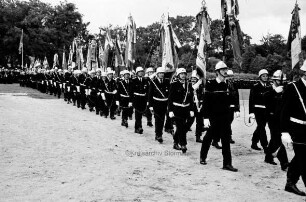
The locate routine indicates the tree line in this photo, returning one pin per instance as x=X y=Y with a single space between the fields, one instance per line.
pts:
x=51 y=29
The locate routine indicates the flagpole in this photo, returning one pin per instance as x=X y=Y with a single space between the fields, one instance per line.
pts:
x=22 y=51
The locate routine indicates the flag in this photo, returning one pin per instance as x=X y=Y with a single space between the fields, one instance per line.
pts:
x=88 y=60
x=21 y=43
x=64 y=61
x=130 y=43
x=70 y=56
x=203 y=24
x=45 y=63
x=294 y=38
x=229 y=7
x=55 y=60
x=237 y=41
x=119 y=57
x=169 y=44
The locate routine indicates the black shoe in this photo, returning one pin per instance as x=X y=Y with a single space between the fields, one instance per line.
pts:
x=159 y=139
x=105 y=116
x=203 y=161
x=284 y=166
x=90 y=109
x=176 y=146
x=216 y=144
x=83 y=108
x=112 y=117
x=139 y=130
x=255 y=147
x=232 y=141
x=230 y=168
x=150 y=124
x=198 y=139
x=294 y=189
x=184 y=149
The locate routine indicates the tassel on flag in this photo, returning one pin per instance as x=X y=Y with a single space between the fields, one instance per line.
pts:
x=294 y=38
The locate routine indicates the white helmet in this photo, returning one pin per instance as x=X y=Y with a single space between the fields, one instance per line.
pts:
x=59 y=70
x=303 y=68
x=126 y=72
x=84 y=69
x=98 y=70
x=180 y=70
x=160 y=70
x=121 y=72
x=109 y=71
x=262 y=71
x=230 y=72
x=277 y=75
x=103 y=74
x=220 y=65
x=139 y=69
x=77 y=71
x=92 y=71
x=194 y=74
x=150 y=69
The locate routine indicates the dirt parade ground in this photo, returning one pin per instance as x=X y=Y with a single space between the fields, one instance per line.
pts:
x=52 y=151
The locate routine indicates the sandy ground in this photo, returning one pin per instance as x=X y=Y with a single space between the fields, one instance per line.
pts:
x=51 y=151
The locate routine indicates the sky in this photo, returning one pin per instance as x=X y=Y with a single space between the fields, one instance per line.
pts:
x=257 y=17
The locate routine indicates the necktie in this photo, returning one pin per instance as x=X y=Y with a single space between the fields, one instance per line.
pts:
x=161 y=80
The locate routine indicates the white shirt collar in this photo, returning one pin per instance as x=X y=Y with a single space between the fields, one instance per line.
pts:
x=218 y=80
x=304 y=81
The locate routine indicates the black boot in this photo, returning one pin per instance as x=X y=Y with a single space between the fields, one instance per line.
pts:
x=198 y=139
x=293 y=189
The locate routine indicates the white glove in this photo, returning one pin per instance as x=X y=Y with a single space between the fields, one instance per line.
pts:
x=279 y=89
x=237 y=114
x=197 y=84
x=252 y=116
x=151 y=109
x=171 y=114
x=115 y=91
x=130 y=104
x=286 y=140
x=206 y=123
x=117 y=103
x=103 y=96
x=191 y=114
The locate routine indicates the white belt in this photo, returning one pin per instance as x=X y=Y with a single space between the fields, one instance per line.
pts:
x=260 y=106
x=110 y=92
x=139 y=94
x=160 y=99
x=180 y=105
x=124 y=95
x=297 y=121
x=232 y=105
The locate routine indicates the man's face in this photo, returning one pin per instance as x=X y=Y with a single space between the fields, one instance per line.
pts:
x=194 y=80
x=161 y=75
x=264 y=77
x=223 y=72
x=110 y=76
x=150 y=73
x=98 y=73
x=140 y=74
x=182 y=76
x=126 y=76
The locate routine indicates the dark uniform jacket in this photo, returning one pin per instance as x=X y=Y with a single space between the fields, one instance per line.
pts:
x=292 y=110
x=257 y=97
x=180 y=96
x=123 y=95
x=139 y=93
x=234 y=96
x=216 y=100
x=158 y=92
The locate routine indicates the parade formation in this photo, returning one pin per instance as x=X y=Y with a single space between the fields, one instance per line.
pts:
x=172 y=100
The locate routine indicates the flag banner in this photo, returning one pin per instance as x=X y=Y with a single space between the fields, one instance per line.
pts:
x=229 y=7
x=70 y=56
x=130 y=43
x=93 y=50
x=169 y=45
x=203 y=22
x=88 y=60
x=294 y=38
x=237 y=41
x=64 y=61
x=20 y=49
x=55 y=60
x=45 y=63
x=119 y=58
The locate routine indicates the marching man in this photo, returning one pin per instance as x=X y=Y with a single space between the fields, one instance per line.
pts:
x=293 y=129
x=180 y=108
x=124 y=98
x=158 y=99
x=216 y=112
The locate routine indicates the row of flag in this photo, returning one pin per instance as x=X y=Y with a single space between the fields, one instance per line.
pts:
x=99 y=55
